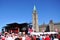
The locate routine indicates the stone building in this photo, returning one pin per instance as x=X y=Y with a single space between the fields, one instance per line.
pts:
x=52 y=27
x=35 y=20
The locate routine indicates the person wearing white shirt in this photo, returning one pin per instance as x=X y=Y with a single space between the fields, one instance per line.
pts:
x=56 y=39
x=9 y=37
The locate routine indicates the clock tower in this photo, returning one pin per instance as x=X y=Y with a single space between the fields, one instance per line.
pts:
x=35 y=19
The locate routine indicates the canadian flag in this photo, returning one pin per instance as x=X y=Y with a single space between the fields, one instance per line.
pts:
x=30 y=30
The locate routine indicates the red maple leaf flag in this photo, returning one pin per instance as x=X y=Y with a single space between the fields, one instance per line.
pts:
x=30 y=30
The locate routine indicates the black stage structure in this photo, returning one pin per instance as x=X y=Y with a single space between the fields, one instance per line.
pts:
x=16 y=28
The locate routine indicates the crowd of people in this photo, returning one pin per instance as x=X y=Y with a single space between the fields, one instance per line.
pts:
x=15 y=36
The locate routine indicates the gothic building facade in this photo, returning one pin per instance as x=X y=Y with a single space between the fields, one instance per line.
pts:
x=51 y=27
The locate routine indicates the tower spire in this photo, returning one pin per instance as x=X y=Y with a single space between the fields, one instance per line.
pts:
x=35 y=20
x=34 y=7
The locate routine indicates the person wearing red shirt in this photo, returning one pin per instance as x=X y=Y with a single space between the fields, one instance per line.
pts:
x=3 y=38
x=27 y=37
x=34 y=37
x=47 y=37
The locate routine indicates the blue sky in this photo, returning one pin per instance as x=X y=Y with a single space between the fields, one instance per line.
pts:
x=20 y=11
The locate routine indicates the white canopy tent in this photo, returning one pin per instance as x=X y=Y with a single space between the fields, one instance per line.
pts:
x=38 y=33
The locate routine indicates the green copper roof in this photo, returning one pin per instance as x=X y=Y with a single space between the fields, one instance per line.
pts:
x=34 y=7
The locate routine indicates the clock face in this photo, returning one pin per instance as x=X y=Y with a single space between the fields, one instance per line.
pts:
x=23 y=28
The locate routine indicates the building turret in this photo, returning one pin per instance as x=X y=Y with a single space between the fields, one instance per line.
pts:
x=35 y=20
x=51 y=26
